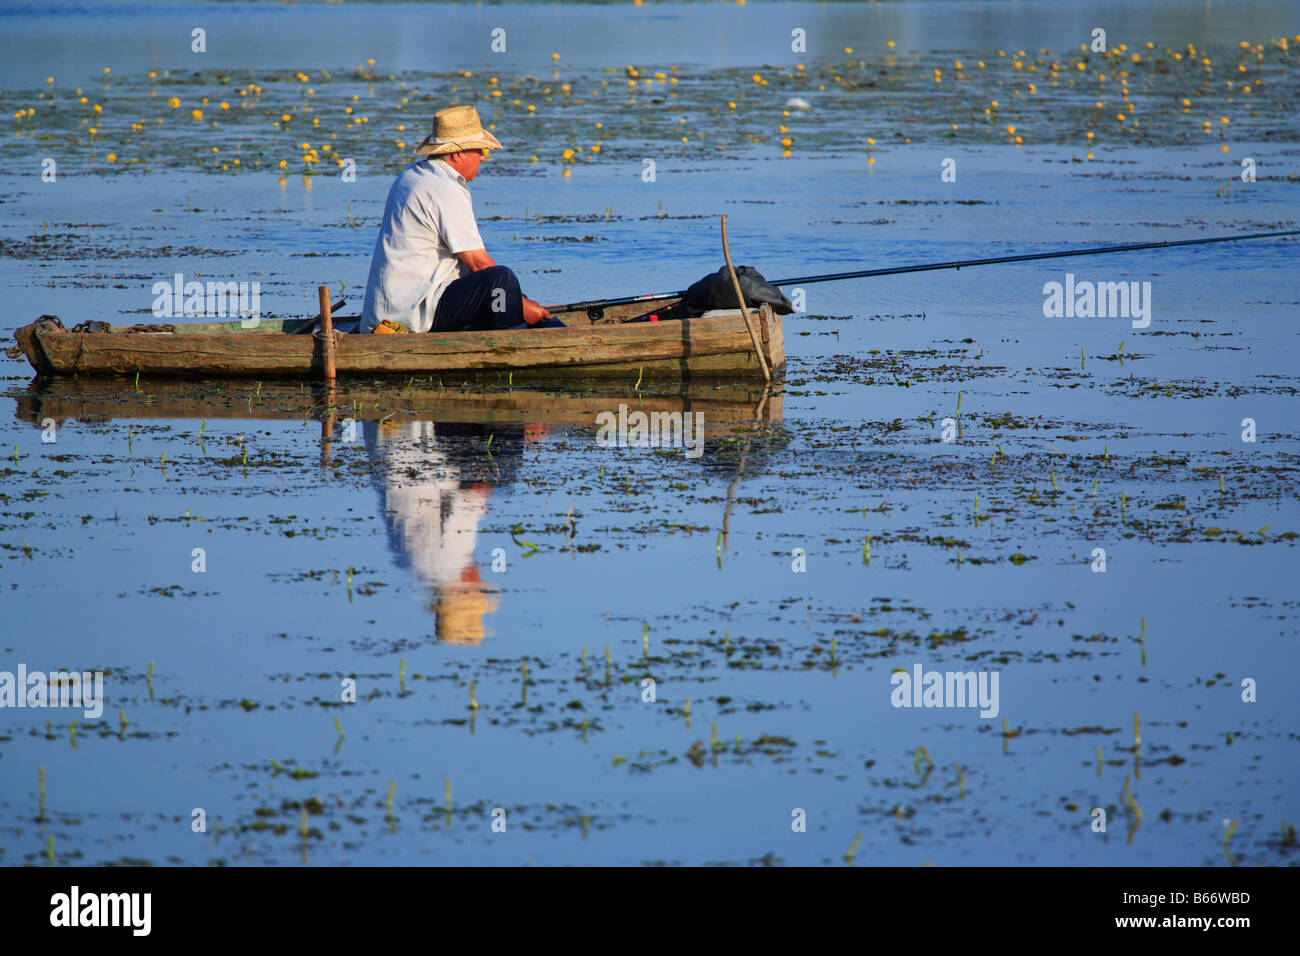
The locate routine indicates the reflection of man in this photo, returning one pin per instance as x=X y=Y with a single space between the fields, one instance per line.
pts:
x=432 y=518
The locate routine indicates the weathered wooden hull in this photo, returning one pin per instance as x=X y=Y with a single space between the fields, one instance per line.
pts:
x=714 y=346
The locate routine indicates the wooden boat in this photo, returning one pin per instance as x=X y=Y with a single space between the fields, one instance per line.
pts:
x=613 y=342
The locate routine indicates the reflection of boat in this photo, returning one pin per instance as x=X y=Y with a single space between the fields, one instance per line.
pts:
x=65 y=398
x=716 y=345
x=435 y=475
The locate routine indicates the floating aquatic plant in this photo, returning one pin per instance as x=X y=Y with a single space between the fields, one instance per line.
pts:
x=852 y=851
x=916 y=758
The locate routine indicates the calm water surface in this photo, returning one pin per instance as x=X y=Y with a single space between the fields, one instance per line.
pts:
x=457 y=533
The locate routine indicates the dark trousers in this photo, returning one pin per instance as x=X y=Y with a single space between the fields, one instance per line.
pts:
x=483 y=301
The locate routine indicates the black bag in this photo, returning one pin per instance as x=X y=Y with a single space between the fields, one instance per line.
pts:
x=716 y=292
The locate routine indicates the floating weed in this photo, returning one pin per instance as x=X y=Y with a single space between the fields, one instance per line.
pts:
x=1053 y=477
x=1230 y=827
x=866 y=551
x=1008 y=734
x=584 y=659
x=916 y=758
x=338 y=725
x=852 y=851
x=121 y=715
x=1133 y=804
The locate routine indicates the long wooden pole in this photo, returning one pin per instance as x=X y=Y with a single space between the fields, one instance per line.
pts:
x=327 y=331
x=735 y=284
x=932 y=266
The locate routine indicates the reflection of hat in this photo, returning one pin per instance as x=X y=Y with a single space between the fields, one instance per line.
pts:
x=454 y=129
x=460 y=608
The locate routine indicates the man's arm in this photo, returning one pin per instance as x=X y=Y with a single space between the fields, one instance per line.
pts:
x=476 y=259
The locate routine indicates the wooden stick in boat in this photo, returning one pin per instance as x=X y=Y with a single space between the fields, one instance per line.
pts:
x=310 y=324
x=735 y=284
x=327 y=330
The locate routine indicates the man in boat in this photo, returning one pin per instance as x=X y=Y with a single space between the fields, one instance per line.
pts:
x=429 y=271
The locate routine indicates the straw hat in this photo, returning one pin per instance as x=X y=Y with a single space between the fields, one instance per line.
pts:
x=454 y=129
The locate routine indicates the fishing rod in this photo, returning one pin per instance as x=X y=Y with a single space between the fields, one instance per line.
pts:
x=933 y=266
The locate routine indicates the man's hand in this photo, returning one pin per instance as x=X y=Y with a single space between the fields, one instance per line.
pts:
x=534 y=313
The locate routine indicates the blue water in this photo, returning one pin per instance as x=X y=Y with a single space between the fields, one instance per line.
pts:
x=272 y=621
